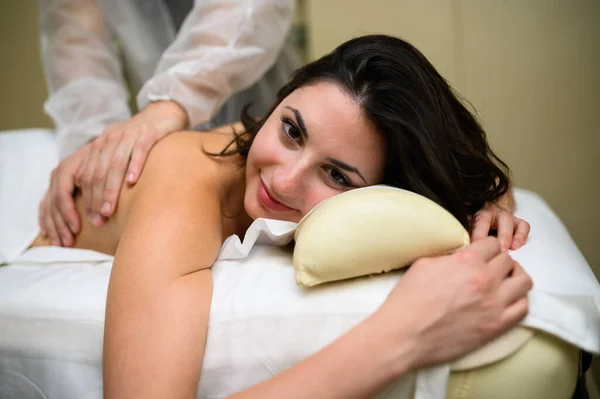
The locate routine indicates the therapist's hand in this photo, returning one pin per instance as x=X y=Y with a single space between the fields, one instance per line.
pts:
x=58 y=218
x=119 y=154
x=447 y=306
x=511 y=231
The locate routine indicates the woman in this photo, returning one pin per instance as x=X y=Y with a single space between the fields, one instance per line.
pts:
x=373 y=111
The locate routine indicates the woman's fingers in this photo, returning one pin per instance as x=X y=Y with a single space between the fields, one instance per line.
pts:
x=501 y=265
x=514 y=313
x=505 y=225
x=515 y=287
x=522 y=230
x=481 y=225
x=486 y=249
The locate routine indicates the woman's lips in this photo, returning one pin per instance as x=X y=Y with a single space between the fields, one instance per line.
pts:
x=269 y=202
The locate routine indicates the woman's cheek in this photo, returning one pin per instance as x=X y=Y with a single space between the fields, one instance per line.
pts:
x=317 y=194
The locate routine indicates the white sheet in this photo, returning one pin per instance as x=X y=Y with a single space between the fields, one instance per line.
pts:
x=52 y=310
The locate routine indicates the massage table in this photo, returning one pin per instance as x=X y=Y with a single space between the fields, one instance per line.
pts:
x=52 y=303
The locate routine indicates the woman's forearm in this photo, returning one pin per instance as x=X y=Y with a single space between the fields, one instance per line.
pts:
x=357 y=365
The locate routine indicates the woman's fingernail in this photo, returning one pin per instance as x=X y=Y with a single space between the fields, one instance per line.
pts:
x=72 y=227
x=55 y=242
x=130 y=177
x=105 y=208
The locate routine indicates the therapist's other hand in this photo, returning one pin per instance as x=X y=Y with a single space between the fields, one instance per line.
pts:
x=447 y=306
x=511 y=231
x=58 y=218
x=119 y=154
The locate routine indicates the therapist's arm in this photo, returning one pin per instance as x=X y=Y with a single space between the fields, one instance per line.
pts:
x=86 y=94
x=222 y=47
x=83 y=72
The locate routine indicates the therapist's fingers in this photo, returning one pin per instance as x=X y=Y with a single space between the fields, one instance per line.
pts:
x=50 y=228
x=62 y=188
x=116 y=175
x=522 y=230
x=89 y=176
x=64 y=234
x=144 y=142
x=102 y=171
x=43 y=212
x=505 y=225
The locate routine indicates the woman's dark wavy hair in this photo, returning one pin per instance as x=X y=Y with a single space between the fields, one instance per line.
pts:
x=433 y=145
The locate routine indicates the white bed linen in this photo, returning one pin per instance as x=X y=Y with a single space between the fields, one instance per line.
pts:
x=52 y=310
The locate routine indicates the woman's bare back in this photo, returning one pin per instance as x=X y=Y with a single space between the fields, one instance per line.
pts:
x=106 y=238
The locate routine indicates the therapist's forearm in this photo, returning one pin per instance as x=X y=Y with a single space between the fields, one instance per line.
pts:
x=358 y=365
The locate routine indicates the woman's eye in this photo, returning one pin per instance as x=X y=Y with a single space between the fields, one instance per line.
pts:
x=290 y=129
x=338 y=177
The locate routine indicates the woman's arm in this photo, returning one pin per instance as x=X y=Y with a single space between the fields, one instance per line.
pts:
x=441 y=309
x=357 y=365
x=160 y=286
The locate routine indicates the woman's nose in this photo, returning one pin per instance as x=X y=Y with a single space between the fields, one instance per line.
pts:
x=288 y=182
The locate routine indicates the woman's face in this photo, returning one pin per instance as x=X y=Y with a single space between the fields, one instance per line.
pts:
x=317 y=143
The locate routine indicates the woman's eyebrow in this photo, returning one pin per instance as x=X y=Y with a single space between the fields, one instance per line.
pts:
x=346 y=167
x=300 y=120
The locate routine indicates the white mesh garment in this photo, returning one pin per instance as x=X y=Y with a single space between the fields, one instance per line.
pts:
x=227 y=53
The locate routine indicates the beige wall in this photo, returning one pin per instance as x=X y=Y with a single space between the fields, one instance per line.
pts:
x=531 y=69
x=21 y=79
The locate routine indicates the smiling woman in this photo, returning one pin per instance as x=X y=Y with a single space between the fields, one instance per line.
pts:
x=373 y=111
x=316 y=144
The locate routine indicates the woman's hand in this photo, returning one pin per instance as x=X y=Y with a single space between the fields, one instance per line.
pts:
x=120 y=152
x=512 y=231
x=447 y=306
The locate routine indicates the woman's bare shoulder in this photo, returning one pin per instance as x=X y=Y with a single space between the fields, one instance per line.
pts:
x=189 y=152
x=195 y=143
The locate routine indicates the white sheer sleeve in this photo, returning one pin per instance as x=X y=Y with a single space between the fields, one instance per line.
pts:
x=83 y=71
x=224 y=46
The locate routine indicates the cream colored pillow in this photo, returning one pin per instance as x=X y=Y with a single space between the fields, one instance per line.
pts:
x=378 y=229
x=371 y=230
